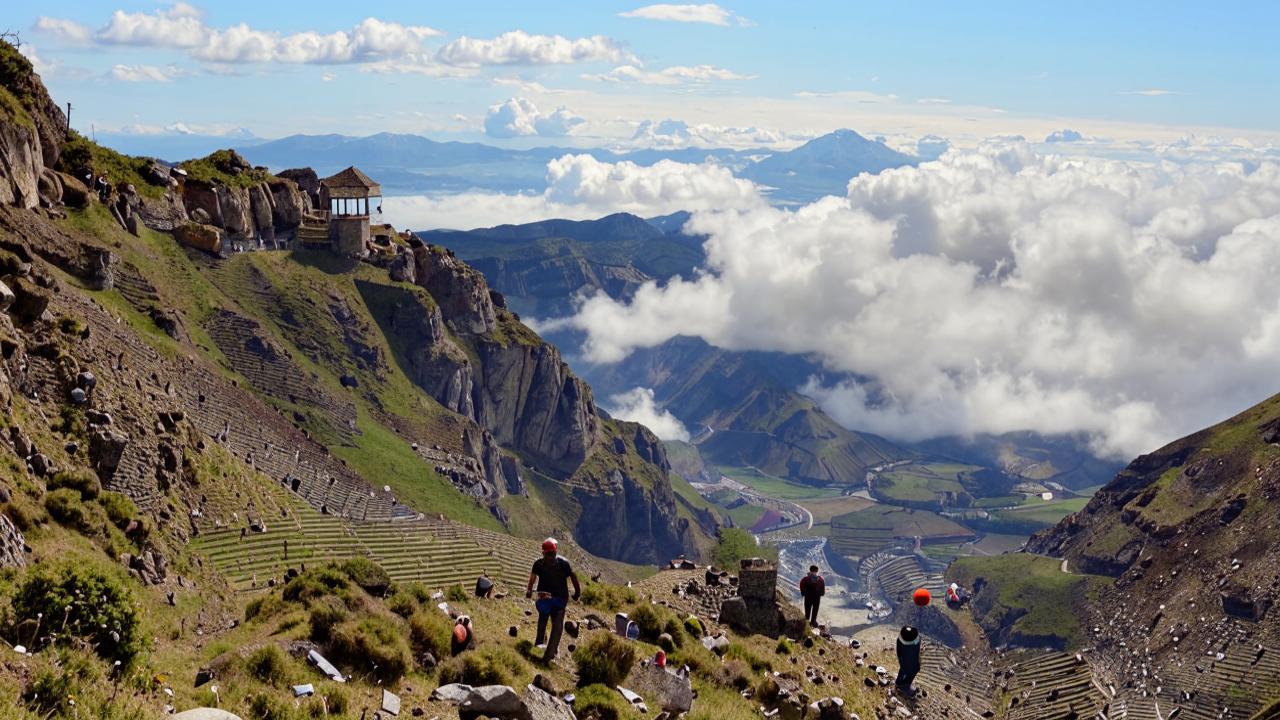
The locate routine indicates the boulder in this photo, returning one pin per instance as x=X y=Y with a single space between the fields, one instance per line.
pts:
x=454 y=693
x=200 y=237
x=673 y=693
x=157 y=173
x=541 y=705
x=105 y=450
x=75 y=194
x=12 y=543
x=49 y=187
x=497 y=702
x=718 y=644
x=288 y=203
x=29 y=300
x=204 y=713
x=6 y=297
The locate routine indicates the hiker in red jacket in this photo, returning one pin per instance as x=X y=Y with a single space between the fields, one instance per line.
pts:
x=812 y=588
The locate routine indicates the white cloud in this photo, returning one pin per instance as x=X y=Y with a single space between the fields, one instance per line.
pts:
x=328 y=77
x=1155 y=92
x=518 y=117
x=40 y=65
x=1063 y=136
x=182 y=26
x=637 y=405
x=674 y=75
x=580 y=187
x=997 y=290
x=933 y=101
x=708 y=13
x=145 y=73
x=521 y=48
x=671 y=133
x=68 y=31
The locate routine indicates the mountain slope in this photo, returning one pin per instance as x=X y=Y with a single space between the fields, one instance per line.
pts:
x=823 y=166
x=541 y=266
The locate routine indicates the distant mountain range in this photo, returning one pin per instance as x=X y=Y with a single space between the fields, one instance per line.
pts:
x=407 y=164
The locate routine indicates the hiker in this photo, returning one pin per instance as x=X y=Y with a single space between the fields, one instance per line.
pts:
x=552 y=573
x=812 y=588
x=484 y=586
x=463 y=636
x=908 y=648
x=712 y=576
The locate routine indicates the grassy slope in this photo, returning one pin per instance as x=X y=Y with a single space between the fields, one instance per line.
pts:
x=1028 y=595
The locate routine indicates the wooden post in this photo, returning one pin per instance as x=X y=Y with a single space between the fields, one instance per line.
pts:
x=68 y=117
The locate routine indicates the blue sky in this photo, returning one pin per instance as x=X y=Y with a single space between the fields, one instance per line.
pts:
x=777 y=71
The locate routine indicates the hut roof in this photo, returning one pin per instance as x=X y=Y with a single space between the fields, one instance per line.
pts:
x=351 y=183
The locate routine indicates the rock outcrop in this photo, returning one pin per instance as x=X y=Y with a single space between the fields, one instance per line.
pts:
x=32 y=130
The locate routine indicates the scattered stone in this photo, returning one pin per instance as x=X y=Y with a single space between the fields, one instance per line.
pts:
x=542 y=705
x=454 y=693
x=491 y=701
x=302 y=690
x=325 y=666
x=390 y=702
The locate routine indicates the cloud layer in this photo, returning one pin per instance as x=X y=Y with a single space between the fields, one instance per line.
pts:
x=994 y=290
x=637 y=405
x=707 y=13
x=519 y=117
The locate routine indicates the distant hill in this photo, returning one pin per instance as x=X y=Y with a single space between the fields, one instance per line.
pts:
x=823 y=166
x=406 y=163
x=540 y=266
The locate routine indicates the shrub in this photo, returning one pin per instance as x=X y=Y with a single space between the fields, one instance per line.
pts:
x=600 y=702
x=119 y=508
x=81 y=480
x=65 y=507
x=317 y=582
x=373 y=644
x=429 y=632
x=492 y=665
x=263 y=606
x=25 y=514
x=604 y=658
x=368 y=574
x=67 y=678
x=455 y=593
x=82 y=602
x=326 y=613
x=735 y=545
x=649 y=620
x=784 y=646
x=271 y=665
x=330 y=699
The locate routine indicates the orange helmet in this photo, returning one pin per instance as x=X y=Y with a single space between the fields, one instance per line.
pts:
x=550 y=545
x=921 y=597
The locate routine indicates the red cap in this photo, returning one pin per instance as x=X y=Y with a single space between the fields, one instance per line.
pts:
x=550 y=545
x=921 y=597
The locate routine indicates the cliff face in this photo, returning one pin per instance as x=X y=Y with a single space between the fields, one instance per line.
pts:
x=32 y=130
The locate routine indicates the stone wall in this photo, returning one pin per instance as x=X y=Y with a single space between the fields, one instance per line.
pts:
x=758 y=580
x=349 y=235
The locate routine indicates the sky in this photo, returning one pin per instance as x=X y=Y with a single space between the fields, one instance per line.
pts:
x=1094 y=253
x=592 y=73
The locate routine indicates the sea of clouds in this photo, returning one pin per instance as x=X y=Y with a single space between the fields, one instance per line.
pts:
x=996 y=289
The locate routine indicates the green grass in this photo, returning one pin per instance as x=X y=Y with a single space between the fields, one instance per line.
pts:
x=1046 y=513
x=1026 y=598
x=80 y=152
x=919 y=482
x=206 y=169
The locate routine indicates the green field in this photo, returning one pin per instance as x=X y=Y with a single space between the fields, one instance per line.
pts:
x=920 y=483
x=1046 y=513
x=774 y=486
x=863 y=532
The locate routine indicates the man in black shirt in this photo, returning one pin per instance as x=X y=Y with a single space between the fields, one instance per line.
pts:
x=552 y=573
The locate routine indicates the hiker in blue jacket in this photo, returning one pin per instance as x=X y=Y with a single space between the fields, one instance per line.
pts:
x=552 y=574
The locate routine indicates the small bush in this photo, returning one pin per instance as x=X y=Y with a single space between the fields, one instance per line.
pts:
x=649 y=620
x=263 y=606
x=71 y=326
x=316 y=583
x=367 y=574
x=326 y=613
x=68 y=509
x=270 y=665
x=119 y=508
x=81 y=480
x=600 y=702
x=491 y=665
x=784 y=646
x=372 y=645
x=25 y=515
x=54 y=684
x=604 y=658
x=693 y=626
x=331 y=699
x=455 y=593
x=430 y=631
x=93 y=606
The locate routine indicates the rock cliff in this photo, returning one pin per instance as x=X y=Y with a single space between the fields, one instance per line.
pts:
x=32 y=130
